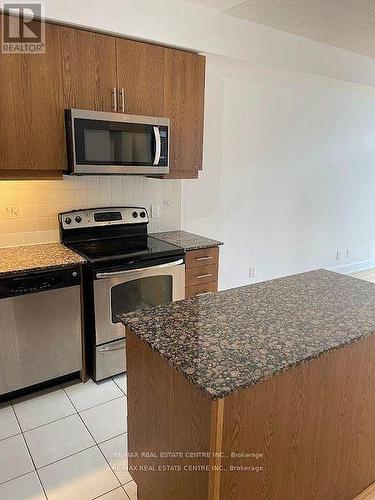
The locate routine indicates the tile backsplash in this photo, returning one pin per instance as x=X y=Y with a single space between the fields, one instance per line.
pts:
x=28 y=209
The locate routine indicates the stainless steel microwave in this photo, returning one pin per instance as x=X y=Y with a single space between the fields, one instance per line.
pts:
x=116 y=143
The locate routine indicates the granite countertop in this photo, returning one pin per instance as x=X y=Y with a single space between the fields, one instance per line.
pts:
x=233 y=339
x=16 y=260
x=185 y=240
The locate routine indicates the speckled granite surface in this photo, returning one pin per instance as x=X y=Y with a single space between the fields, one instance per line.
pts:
x=188 y=241
x=233 y=339
x=16 y=260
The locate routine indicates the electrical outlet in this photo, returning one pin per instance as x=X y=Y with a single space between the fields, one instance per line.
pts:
x=155 y=211
x=252 y=271
x=338 y=255
x=167 y=203
x=12 y=212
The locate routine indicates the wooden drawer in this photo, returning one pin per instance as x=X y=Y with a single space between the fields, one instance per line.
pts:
x=193 y=291
x=202 y=257
x=201 y=274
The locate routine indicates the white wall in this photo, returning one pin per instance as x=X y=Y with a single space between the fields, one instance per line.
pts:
x=289 y=173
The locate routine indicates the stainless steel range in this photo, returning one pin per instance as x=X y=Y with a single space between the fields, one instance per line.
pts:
x=127 y=270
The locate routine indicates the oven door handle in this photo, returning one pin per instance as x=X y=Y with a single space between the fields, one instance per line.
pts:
x=129 y=271
x=158 y=145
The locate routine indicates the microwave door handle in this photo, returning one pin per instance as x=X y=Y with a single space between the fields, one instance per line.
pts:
x=130 y=271
x=158 y=145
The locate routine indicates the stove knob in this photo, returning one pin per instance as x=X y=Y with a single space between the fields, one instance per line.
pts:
x=78 y=218
x=135 y=215
x=68 y=220
x=143 y=214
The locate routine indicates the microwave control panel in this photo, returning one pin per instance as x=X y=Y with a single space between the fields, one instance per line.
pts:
x=164 y=144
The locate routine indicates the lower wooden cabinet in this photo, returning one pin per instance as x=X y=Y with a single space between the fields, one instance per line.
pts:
x=205 y=288
x=199 y=275
x=202 y=257
x=201 y=272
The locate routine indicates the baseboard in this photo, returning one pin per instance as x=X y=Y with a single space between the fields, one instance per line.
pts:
x=363 y=265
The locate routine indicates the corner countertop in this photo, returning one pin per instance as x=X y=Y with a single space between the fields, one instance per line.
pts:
x=185 y=240
x=233 y=339
x=17 y=260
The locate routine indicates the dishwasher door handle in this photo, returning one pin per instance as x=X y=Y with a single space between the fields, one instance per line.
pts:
x=111 y=349
x=116 y=274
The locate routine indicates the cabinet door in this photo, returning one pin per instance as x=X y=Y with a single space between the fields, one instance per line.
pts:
x=89 y=69
x=183 y=103
x=140 y=74
x=32 y=133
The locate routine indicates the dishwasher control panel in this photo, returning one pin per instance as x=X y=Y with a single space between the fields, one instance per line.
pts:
x=34 y=282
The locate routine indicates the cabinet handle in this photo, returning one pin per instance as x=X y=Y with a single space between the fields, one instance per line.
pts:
x=199 y=276
x=203 y=258
x=122 y=97
x=114 y=99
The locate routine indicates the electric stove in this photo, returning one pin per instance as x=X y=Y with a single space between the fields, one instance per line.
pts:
x=126 y=270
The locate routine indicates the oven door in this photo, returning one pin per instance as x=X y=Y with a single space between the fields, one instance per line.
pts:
x=104 y=143
x=120 y=292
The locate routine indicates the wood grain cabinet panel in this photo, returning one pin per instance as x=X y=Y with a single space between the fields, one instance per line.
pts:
x=79 y=70
x=202 y=257
x=183 y=104
x=31 y=102
x=140 y=72
x=89 y=69
x=202 y=274
x=205 y=288
x=202 y=269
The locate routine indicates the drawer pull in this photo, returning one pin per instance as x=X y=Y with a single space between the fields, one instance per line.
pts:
x=199 y=276
x=204 y=258
x=202 y=293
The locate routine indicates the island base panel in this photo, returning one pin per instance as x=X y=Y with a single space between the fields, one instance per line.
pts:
x=166 y=413
x=312 y=429
x=314 y=425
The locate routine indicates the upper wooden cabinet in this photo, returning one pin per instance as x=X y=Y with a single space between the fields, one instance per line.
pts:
x=158 y=81
x=140 y=74
x=80 y=69
x=183 y=104
x=32 y=137
x=89 y=69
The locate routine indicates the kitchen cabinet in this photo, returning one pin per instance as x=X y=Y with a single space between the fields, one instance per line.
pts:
x=32 y=134
x=183 y=104
x=202 y=268
x=80 y=69
x=140 y=76
x=89 y=69
x=230 y=386
x=158 y=81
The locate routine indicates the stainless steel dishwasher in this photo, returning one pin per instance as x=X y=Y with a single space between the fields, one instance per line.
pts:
x=40 y=327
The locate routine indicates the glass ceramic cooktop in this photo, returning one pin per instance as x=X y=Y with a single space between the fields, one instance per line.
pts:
x=125 y=247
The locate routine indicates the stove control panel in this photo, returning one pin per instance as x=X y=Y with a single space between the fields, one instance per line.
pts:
x=96 y=217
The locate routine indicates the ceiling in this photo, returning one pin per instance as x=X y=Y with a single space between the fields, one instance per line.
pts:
x=349 y=24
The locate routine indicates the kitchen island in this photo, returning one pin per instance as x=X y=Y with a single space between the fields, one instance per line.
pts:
x=261 y=392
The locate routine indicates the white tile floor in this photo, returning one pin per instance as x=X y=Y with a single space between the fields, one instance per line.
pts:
x=66 y=443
